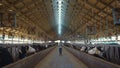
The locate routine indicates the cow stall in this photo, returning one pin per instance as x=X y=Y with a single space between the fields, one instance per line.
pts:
x=10 y=53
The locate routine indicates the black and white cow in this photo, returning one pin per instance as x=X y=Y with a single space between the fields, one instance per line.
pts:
x=5 y=57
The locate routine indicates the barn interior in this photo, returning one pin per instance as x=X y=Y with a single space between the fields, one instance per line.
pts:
x=79 y=26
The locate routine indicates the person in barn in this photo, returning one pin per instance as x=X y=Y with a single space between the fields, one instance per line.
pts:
x=60 y=48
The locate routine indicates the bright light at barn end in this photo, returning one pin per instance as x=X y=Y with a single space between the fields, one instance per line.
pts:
x=59 y=16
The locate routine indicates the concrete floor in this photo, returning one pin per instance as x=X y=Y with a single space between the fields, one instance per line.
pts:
x=67 y=60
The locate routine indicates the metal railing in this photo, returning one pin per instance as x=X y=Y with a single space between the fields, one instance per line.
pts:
x=31 y=61
x=91 y=61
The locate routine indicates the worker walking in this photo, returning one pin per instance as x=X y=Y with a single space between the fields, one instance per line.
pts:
x=60 y=48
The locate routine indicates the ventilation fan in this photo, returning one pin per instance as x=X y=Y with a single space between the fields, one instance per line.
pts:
x=116 y=16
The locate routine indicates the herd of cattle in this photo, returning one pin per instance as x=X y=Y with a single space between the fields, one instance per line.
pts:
x=10 y=54
x=109 y=53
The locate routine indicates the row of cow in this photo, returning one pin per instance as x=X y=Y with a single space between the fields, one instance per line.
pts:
x=11 y=54
x=106 y=52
